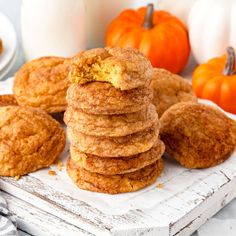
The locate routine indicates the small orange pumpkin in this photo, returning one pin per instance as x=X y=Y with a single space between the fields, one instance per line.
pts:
x=216 y=81
x=160 y=36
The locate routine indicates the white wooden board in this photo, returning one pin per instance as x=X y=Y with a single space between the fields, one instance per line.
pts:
x=38 y=222
x=187 y=200
x=181 y=214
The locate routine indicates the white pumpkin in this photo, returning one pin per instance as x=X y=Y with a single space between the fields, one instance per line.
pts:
x=179 y=8
x=212 y=28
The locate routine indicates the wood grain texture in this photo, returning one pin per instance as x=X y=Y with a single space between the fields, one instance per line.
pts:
x=37 y=222
x=76 y=212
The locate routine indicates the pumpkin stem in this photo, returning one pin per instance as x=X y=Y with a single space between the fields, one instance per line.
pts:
x=230 y=62
x=148 y=20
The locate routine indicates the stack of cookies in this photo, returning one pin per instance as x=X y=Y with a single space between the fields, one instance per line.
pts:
x=112 y=125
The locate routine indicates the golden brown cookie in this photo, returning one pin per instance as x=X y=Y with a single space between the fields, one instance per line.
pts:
x=103 y=98
x=196 y=135
x=29 y=140
x=7 y=100
x=114 y=184
x=111 y=125
x=125 y=69
x=169 y=89
x=112 y=166
x=43 y=83
x=114 y=146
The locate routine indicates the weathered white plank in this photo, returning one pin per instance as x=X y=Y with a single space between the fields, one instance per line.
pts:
x=37 y=222
x=206 y=209
x=182 y=210
x=79 y=213
x=207 y=214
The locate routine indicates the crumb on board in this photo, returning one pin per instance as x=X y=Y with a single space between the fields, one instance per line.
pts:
x=17 y=177
x=59 y=166
x=52 y=172
x=160 y=185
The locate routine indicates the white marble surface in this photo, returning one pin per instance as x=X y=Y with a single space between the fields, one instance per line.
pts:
x=223 y=223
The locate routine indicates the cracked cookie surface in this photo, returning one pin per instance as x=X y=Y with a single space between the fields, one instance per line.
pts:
x=7 y=100
x=29 y=140
x=111 y=166
x=115 y=146
x=103 y=98
x=125 y=69
x=114 y=184
x=197 y=135
x=169 y=89
x=43 y=83
x=111 y=125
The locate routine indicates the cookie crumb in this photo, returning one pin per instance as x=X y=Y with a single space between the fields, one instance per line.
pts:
x=52 y=172
x=160 y=185
x=59 y=166
x=17 y=177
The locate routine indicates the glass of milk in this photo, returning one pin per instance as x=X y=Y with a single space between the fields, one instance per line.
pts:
x=53 y=28
x=99 y=13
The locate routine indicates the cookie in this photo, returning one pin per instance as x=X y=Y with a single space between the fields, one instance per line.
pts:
x=122 y=165
x=29 y=140
x=114 y=146
x=111 y=125
x=114 y=184
x=125 y=69
x=197 y=135
x=103 y=98
x=7 y=100
x=169 y=89
x=43 y=83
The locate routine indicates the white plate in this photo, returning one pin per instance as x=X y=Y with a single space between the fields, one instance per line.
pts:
x=8 y=36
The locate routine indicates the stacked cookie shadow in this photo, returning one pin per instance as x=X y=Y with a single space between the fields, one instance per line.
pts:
x=112 y=126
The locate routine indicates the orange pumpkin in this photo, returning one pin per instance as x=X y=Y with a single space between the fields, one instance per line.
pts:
x=159 y=35
x=216 y=81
